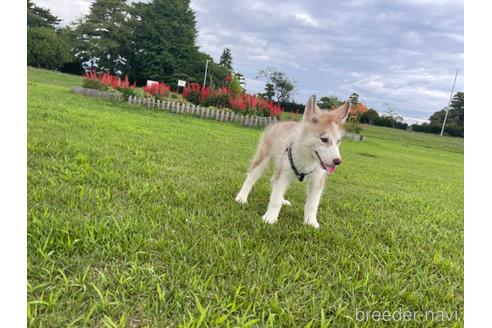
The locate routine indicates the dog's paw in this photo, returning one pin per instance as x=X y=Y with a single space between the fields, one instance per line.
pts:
x=241 y=199
x=286 y=202
x=268 y=218
x=313 y=224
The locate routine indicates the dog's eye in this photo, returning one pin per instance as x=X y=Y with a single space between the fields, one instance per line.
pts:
x=338 y=142
x=324 y=140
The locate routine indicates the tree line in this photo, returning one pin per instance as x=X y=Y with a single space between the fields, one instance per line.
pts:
x=155 y=40
x=455 y=122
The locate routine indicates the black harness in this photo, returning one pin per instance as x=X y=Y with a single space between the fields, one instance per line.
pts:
x=300 y=176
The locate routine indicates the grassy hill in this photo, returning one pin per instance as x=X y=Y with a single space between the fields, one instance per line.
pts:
x=132 y=222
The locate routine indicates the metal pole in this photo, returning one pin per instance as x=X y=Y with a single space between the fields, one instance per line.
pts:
x=205 y=77
x=449 y=102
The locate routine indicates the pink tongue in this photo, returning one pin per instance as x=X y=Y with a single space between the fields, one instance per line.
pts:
x=330 y=169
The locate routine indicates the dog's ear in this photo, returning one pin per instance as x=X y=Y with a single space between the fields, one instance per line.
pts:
x=311 y=111
x=342 y=112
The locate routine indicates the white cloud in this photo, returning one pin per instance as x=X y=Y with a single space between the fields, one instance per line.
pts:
x=254 y=85
x=306 y=19
x=402 y=52
x=68 y=11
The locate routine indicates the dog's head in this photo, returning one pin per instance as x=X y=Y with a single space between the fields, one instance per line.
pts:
x=323 y=131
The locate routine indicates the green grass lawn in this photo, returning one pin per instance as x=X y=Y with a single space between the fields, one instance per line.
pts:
x=132 y=222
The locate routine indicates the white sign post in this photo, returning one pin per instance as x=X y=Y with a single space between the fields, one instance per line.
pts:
x=181 y=85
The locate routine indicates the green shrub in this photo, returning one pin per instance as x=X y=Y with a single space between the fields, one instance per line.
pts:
x=92 y=84
x=45 y=48
x=235 y=85
x=173 y=95
x=126 y=92
x=390 y=122
x=451 y=130
x=353 y=127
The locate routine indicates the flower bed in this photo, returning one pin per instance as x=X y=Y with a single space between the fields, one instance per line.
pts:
x=157 y=90
x=180 y=107
x=229 y=96
x=232 y=96
x=107 y=82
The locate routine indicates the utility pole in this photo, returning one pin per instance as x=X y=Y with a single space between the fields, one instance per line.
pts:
x=449 y=102
x=205 y=77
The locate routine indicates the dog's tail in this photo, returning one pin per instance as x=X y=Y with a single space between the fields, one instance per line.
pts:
x=262 y=152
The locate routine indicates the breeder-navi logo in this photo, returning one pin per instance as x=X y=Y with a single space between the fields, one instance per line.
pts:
x=407 y=315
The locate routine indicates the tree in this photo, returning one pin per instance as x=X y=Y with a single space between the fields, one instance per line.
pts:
x=329 y=102
x=105 y=36
x=226 y=60
x=269 y=92
x=165 y=44
x=40 y=17
x=283 y=86
x=391 y=112
x=216 y=73
x=456 y=114
x=72 y=64
x=354 y=99
x=458 y=105
x=165 y=39
x=235 y=85
x=455 y=122
x=45 y=48
x=369 y=117
x=242 y=80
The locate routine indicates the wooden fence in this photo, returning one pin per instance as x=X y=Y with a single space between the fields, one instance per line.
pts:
x=181 y=108
x=109 y=95
x=190 y=109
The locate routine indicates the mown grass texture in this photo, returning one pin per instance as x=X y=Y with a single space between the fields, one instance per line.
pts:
x=132 y=223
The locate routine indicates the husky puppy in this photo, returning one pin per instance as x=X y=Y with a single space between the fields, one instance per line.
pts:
x=304 y=150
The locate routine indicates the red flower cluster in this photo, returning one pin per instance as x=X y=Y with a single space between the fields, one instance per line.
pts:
x=255 y=105
x=237 y=104
x=223 y=96
x=90 y=75
x=222 y=91
x=106 y=81
x=196 y=90
x=159 y=89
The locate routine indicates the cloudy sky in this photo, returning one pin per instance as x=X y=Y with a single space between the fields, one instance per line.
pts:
x=396 y=53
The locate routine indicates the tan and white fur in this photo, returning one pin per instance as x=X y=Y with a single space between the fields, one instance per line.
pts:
x=314 y=147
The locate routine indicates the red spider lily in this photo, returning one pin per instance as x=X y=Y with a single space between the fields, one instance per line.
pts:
x=157 y=89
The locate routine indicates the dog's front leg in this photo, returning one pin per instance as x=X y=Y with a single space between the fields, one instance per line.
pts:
x=279 y=186
x=315 y=188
